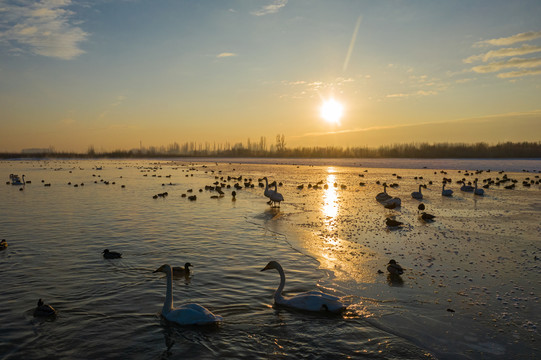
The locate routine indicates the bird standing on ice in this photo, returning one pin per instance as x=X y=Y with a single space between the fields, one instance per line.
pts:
x=273 y=195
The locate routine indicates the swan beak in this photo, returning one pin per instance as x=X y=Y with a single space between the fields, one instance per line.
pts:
x=265 y=268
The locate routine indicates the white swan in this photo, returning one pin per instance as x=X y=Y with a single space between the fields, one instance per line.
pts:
x=187 y=314
x=383 y=196
x=445 y=192
x=311 y=301
x=273 y=195
x=477 y=191
x=417 y=194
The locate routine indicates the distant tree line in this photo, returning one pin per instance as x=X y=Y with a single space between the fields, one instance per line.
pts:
x=279 y=150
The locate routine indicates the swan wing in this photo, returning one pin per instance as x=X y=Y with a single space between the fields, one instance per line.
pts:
x=313 y=301
x=396 y=201
x=192 y=314
x=382 y=197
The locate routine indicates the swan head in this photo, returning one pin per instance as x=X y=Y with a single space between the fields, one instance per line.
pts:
x=165 y=268
x=272 y=265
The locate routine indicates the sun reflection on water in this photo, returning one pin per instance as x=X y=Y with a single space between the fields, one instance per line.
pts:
x=330 y=201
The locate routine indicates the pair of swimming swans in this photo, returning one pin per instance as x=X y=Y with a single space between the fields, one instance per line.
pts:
x=195 y=314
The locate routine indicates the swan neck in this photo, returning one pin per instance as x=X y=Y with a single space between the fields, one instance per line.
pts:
x=168 y=304
x=278 y=292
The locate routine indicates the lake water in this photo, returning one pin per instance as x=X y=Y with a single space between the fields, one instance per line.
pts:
x=470 y=288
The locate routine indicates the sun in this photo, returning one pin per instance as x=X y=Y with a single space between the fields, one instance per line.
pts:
x=332 y=111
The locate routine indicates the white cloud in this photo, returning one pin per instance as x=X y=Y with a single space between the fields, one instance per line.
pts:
x=505 y=52
x=416 y=93
x=43 y=28
x=271 y=8
x=512 y=63
x=530 y=35
x=226 y=54
x=513 y=74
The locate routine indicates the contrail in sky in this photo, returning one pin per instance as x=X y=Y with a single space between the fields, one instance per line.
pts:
x=352 y=42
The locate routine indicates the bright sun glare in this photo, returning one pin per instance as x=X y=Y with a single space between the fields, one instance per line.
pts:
x=332 y=111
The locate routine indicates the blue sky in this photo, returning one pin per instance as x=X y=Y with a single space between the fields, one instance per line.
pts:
x=114 y=73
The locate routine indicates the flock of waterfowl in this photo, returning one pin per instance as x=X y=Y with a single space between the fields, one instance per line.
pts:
x=188 y=314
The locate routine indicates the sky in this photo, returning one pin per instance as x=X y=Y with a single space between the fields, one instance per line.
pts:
x=121 y=74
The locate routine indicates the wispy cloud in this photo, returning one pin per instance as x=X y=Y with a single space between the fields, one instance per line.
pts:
x=416 y=93
x=43 y=28
x=505 y=52
x=226 y=54
x=512 y=63
x=513 y=74
x=523 y=66
x=527 y=36
x=272 y=8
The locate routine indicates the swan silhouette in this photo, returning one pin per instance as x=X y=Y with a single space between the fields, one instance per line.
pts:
x=417 y=194
x=477 y=191
x=273 y=195
x=310 y=301
x=466 y=188
x=187 y=314
x=383 y=196
x=446 y=192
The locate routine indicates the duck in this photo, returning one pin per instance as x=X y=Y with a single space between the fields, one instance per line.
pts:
x=182 y=271
x=233 y=195
x=383 y=196
x=111 y=254
x=477 y=191
x=3 y=244
x=427 y=217
x=309 y=301
x=417 y=194
x=44 y=310
x=393 y=223
x=394 y=268
x=446 y=192
x=186 y=314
